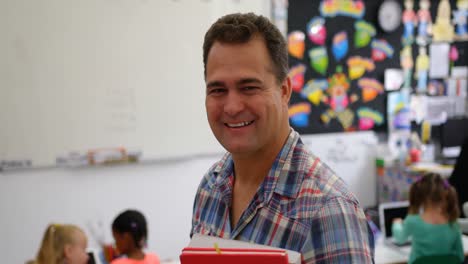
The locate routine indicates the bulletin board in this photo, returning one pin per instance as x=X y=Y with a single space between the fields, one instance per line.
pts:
x=300 y=14
x=312 y=110
x=107 y=77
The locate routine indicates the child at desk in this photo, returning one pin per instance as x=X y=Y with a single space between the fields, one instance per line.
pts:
x=62 y=244
x=432 y=219
x=130 y=233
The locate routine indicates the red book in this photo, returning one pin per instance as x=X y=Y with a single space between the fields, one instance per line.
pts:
x=233 y=256
x=211 y=250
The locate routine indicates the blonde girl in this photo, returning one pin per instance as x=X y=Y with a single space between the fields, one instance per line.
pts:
x=62 y=244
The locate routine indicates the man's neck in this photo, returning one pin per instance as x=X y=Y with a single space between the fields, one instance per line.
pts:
x=249 y=173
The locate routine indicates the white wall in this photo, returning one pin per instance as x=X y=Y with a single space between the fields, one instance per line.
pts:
x=31 y=199
x=92 y=74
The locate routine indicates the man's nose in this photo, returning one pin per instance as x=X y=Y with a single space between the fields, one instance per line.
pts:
x=234 y=104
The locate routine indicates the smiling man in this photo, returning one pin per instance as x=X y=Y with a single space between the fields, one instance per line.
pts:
x=268 y=188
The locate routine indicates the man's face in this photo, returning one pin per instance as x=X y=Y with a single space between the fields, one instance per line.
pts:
x=246 y=107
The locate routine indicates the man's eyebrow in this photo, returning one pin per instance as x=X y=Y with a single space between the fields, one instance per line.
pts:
x=249 y=80
x=240 y=82
x=214 y=84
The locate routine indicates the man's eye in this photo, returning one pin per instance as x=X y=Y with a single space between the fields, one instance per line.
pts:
x=249 y=88
x=216 y=91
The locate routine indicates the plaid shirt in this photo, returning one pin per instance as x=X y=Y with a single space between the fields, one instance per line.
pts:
x=301 y=205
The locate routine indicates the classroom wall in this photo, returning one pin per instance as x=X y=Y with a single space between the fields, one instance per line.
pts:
x=92 y=74
x=164 y=191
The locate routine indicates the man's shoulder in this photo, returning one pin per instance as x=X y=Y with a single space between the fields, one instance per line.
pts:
x=217 y=169
x=319 y=182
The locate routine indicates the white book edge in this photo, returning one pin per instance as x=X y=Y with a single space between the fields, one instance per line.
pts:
x=203 y=241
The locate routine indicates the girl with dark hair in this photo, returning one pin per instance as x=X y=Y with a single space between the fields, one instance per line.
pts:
x=130 y=234
x=432 y=219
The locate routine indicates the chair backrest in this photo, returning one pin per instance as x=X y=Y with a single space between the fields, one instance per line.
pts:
x=465 y=208
x=459 y=179
x=440 y=259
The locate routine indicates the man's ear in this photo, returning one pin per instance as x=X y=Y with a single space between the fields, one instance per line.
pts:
x=286 y=90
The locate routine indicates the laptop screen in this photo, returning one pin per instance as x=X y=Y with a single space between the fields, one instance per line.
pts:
x=390 y=211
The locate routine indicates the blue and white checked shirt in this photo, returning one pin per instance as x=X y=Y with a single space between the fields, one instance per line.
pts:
x=301 y=205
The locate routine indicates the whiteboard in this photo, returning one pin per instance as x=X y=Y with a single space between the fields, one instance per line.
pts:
x=88 y=74
x=352 y=157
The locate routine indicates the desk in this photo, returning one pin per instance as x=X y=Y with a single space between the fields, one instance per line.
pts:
x=392 y=254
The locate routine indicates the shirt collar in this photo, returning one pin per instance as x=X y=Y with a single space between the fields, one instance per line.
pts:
x=280 y=178
x=285 y=181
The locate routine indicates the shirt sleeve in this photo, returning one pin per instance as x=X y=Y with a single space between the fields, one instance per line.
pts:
x=340 y=234
x=401 y=231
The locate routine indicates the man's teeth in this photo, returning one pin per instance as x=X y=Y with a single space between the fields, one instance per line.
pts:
x=240 y=124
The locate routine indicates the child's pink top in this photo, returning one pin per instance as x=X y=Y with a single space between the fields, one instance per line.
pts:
x=149 y=259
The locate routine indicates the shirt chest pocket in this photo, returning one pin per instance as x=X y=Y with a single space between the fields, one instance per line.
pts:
x=271 y=227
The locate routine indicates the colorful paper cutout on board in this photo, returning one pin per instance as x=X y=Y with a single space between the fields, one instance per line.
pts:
x=381 y=50
x=406 y=63
x=296 y=45
x=363 y=34
x=313 y=90
x=424 y=22
x=299 y=114
x=296 y=73
x=453 y=56
x=338 y=86
x=436 y=88
x=340 y=45
x=410 y=20
x=422 y=69
x=358 y=65
x=370 y=89
x=316 y=30
x=442 y=29
x=332 y=8
x=346 y=118
x=319 y=59
x=368 y=118
x=398 y=110
x=339 y=100
x=460 y=20
x=402 y=120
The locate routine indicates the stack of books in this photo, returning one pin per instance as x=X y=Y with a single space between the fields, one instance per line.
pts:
x=210 y=250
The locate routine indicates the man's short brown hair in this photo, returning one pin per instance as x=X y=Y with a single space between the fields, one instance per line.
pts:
x=240 y=28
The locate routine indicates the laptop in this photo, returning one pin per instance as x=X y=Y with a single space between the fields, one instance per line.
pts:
x=388 y=212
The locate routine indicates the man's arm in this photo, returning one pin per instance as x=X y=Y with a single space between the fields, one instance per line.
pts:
x=340 y=234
